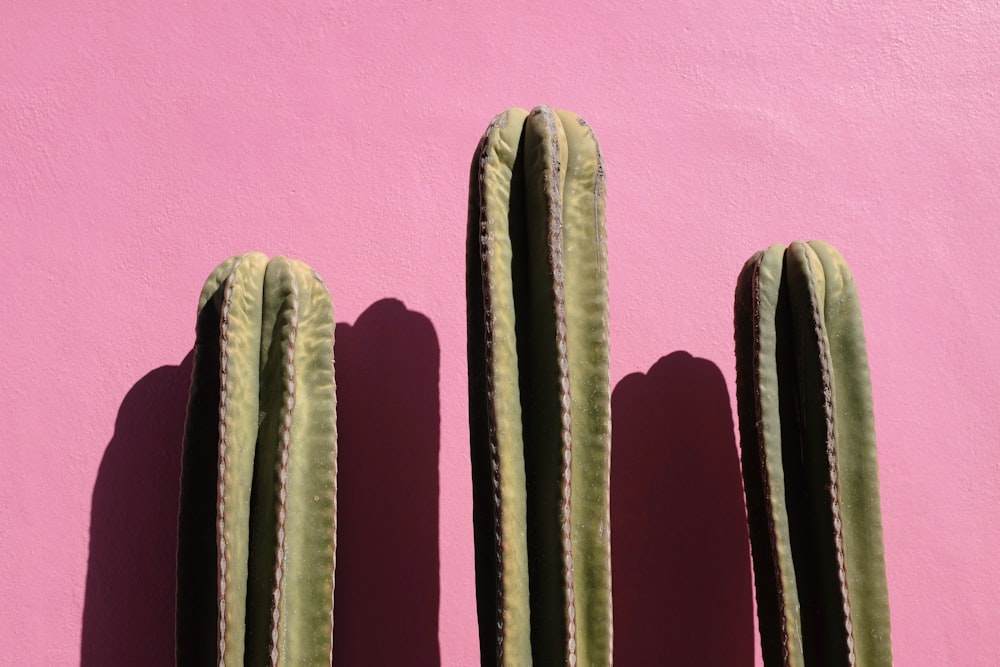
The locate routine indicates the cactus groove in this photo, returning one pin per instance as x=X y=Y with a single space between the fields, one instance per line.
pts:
x=809 y=460
x=258 y=494
x=539 y=391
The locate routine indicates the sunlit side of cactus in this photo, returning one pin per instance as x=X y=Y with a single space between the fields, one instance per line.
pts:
x=257 y=540
x=809 y=460
x=539 y=391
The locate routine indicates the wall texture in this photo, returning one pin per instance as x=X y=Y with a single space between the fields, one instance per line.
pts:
x=142 y=143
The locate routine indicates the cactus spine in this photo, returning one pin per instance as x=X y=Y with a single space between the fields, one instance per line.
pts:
x=809 y=460
x=257 y=540
x=539 y=391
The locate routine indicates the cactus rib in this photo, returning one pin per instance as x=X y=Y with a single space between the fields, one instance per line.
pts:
x=225 y=377
x=757 y=339
x=495 y=206
x=833 y=364
x=586 y=284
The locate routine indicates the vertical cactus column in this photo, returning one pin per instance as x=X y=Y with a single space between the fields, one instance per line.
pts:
x=809 y=460
x=257 y=540
x=539 y=391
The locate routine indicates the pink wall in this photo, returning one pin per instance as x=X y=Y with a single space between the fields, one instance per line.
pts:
x=139 y=147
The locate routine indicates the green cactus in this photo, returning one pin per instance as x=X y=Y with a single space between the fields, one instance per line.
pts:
x=257 y=538
x=809 y=461
x=539 y=391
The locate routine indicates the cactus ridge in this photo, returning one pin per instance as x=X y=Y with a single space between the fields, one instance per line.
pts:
x=809 y=460
x=275 y=510
x=759 y=302
x=539 y=395
x=586 y=286
x=490 y=217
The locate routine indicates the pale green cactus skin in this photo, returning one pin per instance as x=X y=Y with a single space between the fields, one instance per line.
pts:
x=809 y=460
x=539 y=391
x=262 y=415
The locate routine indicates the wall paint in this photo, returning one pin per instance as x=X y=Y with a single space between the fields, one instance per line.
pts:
x=141 y=143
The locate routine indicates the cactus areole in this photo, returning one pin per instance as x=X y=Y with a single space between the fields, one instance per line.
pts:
x=539 y=391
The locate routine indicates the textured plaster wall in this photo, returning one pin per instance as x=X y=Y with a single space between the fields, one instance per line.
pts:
x=142 y=143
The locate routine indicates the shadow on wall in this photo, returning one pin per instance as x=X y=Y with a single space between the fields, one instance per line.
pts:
x=387 y=368
x=388 y=422
x=680 y=547
x=128 y=610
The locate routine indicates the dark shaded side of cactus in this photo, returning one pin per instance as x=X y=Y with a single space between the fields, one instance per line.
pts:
x=197 y=581
x=839 y=455
x=761 y=310
x=228 y=386
x=481 y=458
x=494 y=274
x=543 y=353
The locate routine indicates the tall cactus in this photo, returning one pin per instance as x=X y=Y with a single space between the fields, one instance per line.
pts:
x=257 y=540
x=539 y=391
x=809 y=462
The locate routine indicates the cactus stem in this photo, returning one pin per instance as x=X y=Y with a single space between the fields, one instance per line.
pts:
x=809 y=460
x=264 y=353
x=539 y=421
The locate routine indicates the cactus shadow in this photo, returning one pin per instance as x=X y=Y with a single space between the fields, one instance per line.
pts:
x=128 y=611
x=388 y=421
x=681 y=558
